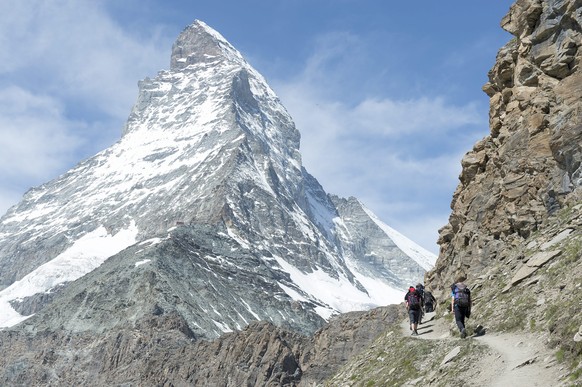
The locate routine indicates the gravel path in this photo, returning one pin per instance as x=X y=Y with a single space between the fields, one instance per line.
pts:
x=515 y=360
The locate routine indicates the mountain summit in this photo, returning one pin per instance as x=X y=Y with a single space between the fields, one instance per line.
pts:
x=201 y=210
x=199 y=43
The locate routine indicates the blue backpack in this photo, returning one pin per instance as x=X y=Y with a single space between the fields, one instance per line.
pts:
x=462 y=295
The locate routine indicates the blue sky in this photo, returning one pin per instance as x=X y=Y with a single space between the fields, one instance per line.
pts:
x=386 y=94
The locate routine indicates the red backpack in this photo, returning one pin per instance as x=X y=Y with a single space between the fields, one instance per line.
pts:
x=413 y=300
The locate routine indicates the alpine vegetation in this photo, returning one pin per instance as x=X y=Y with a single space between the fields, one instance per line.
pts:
x=201 y=210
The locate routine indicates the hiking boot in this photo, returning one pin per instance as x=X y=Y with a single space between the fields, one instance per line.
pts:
x=415 y=332
x=479 y=331
x=463 y=333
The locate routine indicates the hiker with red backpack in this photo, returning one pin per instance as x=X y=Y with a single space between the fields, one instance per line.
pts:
x=413 y=305
x=461 y=304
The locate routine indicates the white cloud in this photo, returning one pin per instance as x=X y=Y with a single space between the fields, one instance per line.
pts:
x=418 y=116
x=74 y=50
x=36 y=141
x=376 y=137
x=35 y=137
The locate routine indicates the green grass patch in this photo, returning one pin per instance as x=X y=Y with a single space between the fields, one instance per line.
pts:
x=560 y=355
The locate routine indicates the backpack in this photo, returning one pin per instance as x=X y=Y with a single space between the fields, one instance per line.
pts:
x=462 y=295
x=413 y=301
x=420 y=291
x=428 y=297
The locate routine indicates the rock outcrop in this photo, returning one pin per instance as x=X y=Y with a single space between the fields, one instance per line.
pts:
x=529 y=167
x=161 y=350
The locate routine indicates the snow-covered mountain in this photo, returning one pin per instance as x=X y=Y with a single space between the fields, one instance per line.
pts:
x=202 y=208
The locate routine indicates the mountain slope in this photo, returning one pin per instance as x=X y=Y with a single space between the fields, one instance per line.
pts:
x=515 y=230
x=515 y=227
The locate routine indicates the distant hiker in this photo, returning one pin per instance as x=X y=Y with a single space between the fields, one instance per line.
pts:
x=461 y=304
x=429 y=302
x=420 y=291
x=413 y=303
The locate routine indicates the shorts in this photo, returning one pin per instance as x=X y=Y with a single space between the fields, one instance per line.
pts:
x=414 y=316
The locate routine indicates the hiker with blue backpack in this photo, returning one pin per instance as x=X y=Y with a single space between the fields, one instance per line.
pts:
x=413 y=305
x=461 y=304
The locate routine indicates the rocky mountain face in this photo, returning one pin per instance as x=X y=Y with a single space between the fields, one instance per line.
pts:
x=364 y=235
x=196 y=243
x=207 y=209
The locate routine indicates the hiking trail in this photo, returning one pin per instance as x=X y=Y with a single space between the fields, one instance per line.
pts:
x=514 y=360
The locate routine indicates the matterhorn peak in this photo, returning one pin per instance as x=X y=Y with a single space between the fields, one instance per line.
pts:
x=199 y=43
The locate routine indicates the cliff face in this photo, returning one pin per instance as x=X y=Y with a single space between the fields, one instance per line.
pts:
x=529 y=167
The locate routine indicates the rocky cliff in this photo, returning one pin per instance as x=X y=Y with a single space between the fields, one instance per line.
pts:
x=161 y=350
x=529 y=167
x=515 y=230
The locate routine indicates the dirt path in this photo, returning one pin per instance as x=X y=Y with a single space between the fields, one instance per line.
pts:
x=515 y=360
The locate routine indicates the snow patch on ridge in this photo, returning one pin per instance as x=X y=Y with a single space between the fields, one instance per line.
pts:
x=381 y=293
x=340 y=294
x=84 y=256
x=140 y=263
